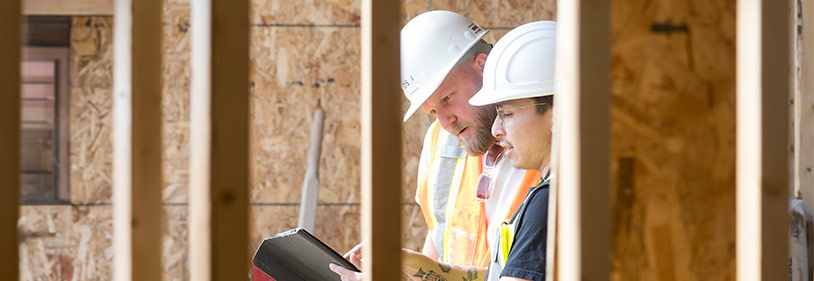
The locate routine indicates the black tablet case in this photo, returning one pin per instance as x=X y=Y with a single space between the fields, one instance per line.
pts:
x=296 y=255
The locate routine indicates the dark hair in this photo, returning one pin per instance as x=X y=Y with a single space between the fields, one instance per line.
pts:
x=549 y=103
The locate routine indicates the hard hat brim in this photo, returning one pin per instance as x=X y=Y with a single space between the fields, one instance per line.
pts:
x=486 y=97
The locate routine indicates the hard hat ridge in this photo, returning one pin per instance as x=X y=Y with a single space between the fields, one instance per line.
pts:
x=521 y=65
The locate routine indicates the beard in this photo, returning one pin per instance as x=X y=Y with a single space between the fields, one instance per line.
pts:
x=482 y=138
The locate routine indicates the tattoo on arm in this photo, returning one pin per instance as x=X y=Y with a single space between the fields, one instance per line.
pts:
x=419 y=274
x=429 y=275
x=472 y=274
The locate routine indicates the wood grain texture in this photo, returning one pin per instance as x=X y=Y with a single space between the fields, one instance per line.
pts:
x=91 y=109
x=68 y=7
x=764 y=76
x=137 y=214
x=380 y=126
x=673 y=140
x=10 y=105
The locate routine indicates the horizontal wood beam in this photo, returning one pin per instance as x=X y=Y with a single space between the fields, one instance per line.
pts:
x=68 y=7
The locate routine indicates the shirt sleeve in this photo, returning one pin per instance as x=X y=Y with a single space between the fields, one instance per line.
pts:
x=527 y=258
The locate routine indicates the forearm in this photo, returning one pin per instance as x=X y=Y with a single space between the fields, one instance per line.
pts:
x=422 y=268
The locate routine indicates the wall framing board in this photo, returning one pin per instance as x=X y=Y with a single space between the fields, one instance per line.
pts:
x=10 y=20
x=69 y=7
x=764 y=67
x=381 y=139
x=137 y=185
x=219 y=140
x=804 y=111
x=582 y=130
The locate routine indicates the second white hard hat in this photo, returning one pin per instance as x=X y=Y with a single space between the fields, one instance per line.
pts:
x=521 y=65
x=431 y=44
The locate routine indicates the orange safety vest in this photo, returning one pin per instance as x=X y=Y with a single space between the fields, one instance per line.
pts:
x=459 y=234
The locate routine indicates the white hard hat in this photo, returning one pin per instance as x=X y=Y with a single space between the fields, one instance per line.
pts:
x=431 y=45
x=521 y=65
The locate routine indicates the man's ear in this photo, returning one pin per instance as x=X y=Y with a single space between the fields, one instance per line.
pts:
x=480 y=61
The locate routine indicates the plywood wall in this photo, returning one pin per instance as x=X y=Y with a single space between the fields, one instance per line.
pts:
x=91 y=106
x=673 y=139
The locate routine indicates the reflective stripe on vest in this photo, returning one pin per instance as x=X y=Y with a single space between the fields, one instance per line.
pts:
x=446 y=193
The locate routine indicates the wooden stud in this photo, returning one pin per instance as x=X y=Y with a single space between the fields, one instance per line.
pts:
x=582 y=151
x=137 y=208
x=381 y=139
x=804 y=112
x=63 y=98
x=583 y=179
x=68 y=7
x=219 y=140
x=764 y=67
x=10 y=142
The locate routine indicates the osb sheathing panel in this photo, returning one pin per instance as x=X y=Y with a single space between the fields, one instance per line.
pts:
x=65 y=243
x=333 y=12
x=91 y=106
x=175 y=135
x=494 y=13
x=91 y=109
x=673 y=140
x=498 y=13
x=336 y=225
x=497 y=16
x=293 y=69
x=75 y=243
x=175 y=100
x=175 y=244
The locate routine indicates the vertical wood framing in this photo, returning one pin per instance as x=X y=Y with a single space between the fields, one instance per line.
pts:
x=764 y=67
x=583 y=176
x=137 y=208
x=804 y=111
x=10 y=141
x=219 y=140
x=381 y=139
x=63 y=125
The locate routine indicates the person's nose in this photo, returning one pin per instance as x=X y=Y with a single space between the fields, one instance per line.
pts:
x=446 y=119
x=497 y=129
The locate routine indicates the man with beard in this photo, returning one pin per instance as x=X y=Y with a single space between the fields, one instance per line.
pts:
x=465 y=190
